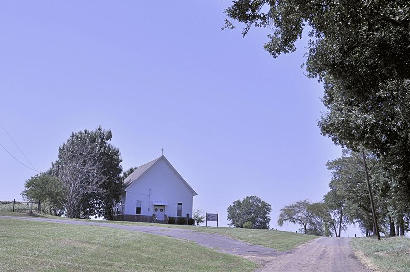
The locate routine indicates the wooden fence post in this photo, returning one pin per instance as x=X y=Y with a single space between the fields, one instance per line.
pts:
x=14 y=203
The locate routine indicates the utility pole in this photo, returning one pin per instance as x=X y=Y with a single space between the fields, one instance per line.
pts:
x=369 y=187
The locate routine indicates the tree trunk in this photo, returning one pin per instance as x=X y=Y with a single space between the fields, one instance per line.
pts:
x=375 y=226
x=401 y=225
x=334 y=228
x=304 y=228
x=340 y=221
x=392 y=230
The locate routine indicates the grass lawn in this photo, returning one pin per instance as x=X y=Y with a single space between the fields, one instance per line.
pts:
x=278 y=240
x=39 y=246
x=389 y=254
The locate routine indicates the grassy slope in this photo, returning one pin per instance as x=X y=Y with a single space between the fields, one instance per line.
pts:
x=35 y=246
x=278 y=240
x=389 y=254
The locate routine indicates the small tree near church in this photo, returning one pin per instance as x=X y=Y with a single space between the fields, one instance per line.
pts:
x=252 y=212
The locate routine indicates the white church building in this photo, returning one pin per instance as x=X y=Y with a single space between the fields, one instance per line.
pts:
x=155 y=190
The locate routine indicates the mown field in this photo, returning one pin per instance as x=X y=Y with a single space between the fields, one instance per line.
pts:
x=39 y=246
x=278 y=240
x=389 y=254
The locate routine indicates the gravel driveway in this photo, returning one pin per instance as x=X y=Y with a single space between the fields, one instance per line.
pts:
x=320 y=255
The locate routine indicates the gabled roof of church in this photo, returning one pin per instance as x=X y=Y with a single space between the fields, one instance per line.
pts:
x=142 y=169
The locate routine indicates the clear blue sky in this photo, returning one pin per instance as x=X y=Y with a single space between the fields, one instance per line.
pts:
x=232 y=120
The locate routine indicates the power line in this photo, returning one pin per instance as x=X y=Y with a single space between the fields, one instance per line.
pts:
x=16 y=159
x=18 y=147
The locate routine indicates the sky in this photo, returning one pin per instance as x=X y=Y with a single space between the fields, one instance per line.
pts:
x=161 y=74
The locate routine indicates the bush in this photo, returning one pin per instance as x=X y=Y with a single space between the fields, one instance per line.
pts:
x=247 y=225
x=181 y=221
x=199 y=217
x=171 y=220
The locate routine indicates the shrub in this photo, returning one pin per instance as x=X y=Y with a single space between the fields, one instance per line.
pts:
x=199 y=217
x=191 y=221
x=247 y=225
x=181 y=221
x=171 y=220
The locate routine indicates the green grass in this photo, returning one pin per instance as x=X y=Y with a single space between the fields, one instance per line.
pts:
x=278 y=240
x=39 y=246
x=389 y=254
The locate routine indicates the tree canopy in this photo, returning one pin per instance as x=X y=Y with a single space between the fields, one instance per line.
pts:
x=89 y=167
x=360 y=51
x=349 y=193
x=47 y=190
x=312 y=217
x=251 y=210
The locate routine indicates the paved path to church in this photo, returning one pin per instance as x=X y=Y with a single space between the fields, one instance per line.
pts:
x=319 y=255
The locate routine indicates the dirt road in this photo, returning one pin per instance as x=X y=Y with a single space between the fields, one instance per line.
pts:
x=320 y=255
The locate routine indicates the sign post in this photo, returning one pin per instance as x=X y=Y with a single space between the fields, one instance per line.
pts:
x=211 y=217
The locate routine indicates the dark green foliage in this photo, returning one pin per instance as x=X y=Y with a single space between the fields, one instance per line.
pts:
x=125 y=174
x=46 y=189
x=312 y=217
x=349 y=192
x=360 y=50
x=89 y=167
x=171 y=220
x=336 y=204
x=181 y=221
x=250 y=209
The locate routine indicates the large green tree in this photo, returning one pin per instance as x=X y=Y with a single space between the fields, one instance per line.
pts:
x=360 y=50
x=251 y=210
x=313 y=218
x=335 y=202
x=349 y=193
x=47 y=190
x=89 y=167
